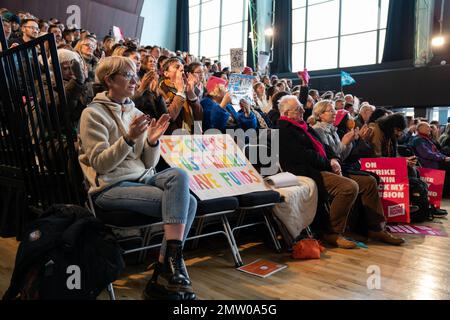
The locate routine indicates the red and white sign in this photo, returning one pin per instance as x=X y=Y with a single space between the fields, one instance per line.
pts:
x=435 y=180
x=393 y=188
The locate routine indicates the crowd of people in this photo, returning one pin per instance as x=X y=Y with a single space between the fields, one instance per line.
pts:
x=123 y=97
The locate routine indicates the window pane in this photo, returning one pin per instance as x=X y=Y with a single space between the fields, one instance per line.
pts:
x=298 y=25
x=298 y=3
x=384 y=13
x=322 y=54
x=358 y=50
x=210 y=14
x=231 y=37
x=232 y=11
x=226 y=61
x=298 y=57
x=209 y=44
x=359 y=16
x=194 y=19
x=193 y=2
x=323 y=20
x=382 y=39
x=193 y=44
x=310 y=2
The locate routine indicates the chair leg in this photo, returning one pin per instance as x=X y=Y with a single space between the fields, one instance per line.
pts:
x=232 y=242
x=239 y=221
x=146 y=240
x=198 y=231
x=112 y=295
x=272 y=232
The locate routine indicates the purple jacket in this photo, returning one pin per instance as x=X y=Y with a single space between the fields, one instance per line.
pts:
x=428 y=154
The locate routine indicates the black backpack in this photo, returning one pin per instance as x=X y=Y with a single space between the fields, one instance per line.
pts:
x=67 y=254
x=418 y=192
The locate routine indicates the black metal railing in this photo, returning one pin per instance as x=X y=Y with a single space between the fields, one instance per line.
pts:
x=37 y=139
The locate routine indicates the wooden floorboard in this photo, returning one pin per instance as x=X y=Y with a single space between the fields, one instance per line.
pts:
x=418 y=270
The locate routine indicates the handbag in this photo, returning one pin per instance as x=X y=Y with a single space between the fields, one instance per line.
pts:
x=307 y=249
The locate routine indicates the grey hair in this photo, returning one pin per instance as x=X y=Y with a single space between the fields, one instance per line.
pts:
x=283 y=104
x=321 y=107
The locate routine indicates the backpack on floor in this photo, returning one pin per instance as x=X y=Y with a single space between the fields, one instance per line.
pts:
x=67 y=254
x=418 y=192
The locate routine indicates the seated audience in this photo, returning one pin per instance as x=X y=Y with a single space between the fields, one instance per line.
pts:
x=220 y=114
x=182 y=103
x=426 y=150
x=325 y=115
x=303 y=154
x=119 y=149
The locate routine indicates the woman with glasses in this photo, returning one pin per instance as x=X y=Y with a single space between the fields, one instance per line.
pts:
x=85 y=49
x=367 y=185
x=119 y=151
x=196 y=68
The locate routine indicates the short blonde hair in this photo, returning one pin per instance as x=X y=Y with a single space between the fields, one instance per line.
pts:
x=113 y=65
x=321 y=107
x=119 y=51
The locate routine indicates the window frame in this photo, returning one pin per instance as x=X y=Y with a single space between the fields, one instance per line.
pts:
x=379 y=30
x=243 y=21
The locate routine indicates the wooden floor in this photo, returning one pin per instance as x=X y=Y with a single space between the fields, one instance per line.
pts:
x=418 y=270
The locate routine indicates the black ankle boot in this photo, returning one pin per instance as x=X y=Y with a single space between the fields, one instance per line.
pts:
x=170 y=280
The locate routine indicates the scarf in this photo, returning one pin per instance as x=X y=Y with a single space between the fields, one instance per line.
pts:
x=169 y=93
x=304 y=127
x=429 y=140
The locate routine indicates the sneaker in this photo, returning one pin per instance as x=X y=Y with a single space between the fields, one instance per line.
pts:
x=386 y=237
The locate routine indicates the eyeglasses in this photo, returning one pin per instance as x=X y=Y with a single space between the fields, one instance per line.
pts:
x=331 y=111
x=32 y=27
x=92 y=46
x=129 y=75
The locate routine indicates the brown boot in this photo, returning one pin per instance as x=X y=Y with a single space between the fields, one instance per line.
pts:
x=339 y=241
x=356 y=237
x=386 y=237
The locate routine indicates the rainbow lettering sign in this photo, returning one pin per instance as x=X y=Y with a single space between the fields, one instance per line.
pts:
x=216 y=166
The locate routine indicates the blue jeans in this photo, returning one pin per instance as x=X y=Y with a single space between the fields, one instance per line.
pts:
x=164 y=195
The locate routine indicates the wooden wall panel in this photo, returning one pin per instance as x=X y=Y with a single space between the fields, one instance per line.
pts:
x=97 y=16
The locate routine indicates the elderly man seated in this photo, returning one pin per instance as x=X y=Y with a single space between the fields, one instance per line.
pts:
x=303 y=153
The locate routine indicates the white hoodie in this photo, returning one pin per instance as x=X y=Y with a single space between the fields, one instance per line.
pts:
x=105 y=157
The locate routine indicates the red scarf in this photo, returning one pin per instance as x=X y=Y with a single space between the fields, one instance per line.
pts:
x=304 y=126
x=427 y=138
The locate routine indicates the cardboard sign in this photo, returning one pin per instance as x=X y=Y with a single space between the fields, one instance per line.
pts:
x=216 y=166
x=118 y=34
x=263 y=60
x=435 y=180
x=240 y=86
x=393 y=188
x=237 y=59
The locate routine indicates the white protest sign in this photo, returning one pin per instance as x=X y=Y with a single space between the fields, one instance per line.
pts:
x=217 y=168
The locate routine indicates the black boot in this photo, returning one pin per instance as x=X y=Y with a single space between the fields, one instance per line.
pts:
x=170 y=280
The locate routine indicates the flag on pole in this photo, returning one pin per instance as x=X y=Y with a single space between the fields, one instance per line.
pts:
x=346 y=79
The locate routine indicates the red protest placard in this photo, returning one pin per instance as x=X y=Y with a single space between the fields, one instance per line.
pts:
x=435 y=180
x=393 y=188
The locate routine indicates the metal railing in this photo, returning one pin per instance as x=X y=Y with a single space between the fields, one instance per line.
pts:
x=37 y=138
